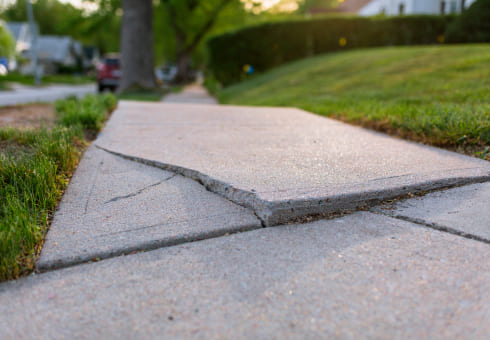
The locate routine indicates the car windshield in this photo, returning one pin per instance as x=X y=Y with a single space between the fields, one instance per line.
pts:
x=111 y=61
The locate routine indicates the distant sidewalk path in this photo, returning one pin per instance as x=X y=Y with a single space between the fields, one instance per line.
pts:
x=51 y=93
x=191 y=94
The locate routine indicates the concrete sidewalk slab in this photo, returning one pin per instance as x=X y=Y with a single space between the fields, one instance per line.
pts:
x=51 y=93
x=361 y=276
x=463 y=210
x=114 y=206
x=283 y=163
x=191 y=94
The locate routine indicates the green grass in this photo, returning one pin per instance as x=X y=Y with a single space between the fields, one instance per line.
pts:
x=437 y=94
x=145 y=96
x=46 y=80
x=35 y=166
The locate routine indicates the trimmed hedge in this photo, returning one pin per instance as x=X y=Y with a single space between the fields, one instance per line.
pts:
x=272 y=44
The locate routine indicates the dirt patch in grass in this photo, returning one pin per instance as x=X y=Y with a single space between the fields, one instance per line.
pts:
x=27 y=116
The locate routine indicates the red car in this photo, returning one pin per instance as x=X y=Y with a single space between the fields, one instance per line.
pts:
x=109 y=73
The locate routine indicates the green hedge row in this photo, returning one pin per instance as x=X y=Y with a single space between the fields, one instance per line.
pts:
x=272 y=44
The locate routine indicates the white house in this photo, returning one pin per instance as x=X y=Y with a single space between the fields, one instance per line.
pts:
x=56 y=51
x=409 y=7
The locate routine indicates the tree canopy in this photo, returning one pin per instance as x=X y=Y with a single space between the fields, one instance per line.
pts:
x=7 y=44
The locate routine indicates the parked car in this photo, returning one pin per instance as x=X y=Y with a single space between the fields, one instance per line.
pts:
x=109 y=72
x=167 y=73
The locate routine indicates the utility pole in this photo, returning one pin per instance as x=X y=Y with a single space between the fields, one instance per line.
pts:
x=32 y=25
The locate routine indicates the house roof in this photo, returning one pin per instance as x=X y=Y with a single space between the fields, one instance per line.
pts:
x=352 y=6
x=20 y=30
x=54 y=48
x=16 y=29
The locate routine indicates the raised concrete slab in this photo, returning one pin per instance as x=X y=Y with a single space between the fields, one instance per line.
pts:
x=283 y=163
x=363 y=276
x=114 y=206
x=463 y=210
x=26 y=94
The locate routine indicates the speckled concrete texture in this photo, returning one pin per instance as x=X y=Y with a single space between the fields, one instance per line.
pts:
x=363 y=276
x=283 y=163
x=115 y=206
x=464 y=210
x=194 y=93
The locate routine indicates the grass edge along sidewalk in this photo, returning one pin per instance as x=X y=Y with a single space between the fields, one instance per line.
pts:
x=35 y=168
x=438 y=95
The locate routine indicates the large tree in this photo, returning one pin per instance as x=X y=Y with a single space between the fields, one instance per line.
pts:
x=137 y=57
x=190 y=21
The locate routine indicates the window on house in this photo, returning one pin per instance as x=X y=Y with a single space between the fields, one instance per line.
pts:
x=453 y=6
x=401 y=9
x=443 y=7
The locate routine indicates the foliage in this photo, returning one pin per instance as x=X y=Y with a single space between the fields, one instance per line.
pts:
x=35 y=166
x=99 y=28
x=7 y=44
x=438 y=94
x=188 y=22
x=306 y=5
x=32 y=173
x=471 y=26
x=272 y=44
x=89 y=113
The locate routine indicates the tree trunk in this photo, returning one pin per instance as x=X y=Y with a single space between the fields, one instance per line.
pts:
x=183 y=68
x=462 y=5
x=137 y=58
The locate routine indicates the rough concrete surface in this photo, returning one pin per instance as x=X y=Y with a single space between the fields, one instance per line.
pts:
x=464 y=210
x=284 y=163
x=114 y=206
x=26 y=94
x=191 y=94
x=363 y=276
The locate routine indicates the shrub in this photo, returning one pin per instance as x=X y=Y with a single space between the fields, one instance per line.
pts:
x=473 y=25
x=273 y=44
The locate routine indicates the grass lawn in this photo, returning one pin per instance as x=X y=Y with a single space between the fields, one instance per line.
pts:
x=145 y=96
x=439 y=95
x=35 y=166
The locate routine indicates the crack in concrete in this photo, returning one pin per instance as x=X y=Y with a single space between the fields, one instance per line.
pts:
x=136 y=193
x=287 y=211
x=92 y=185
x=236 y=196
x=224 y=190
x=434 y=226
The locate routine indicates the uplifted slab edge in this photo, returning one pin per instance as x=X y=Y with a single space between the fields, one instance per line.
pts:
x=279 y=212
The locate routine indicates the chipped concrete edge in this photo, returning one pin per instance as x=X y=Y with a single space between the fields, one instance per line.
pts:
x=276 y=213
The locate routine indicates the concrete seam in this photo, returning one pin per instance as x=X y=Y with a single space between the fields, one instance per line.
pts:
x=434 y=226
x=148 y=246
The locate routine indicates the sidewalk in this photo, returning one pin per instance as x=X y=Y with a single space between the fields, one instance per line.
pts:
x=28 y=94
x=188 y=220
